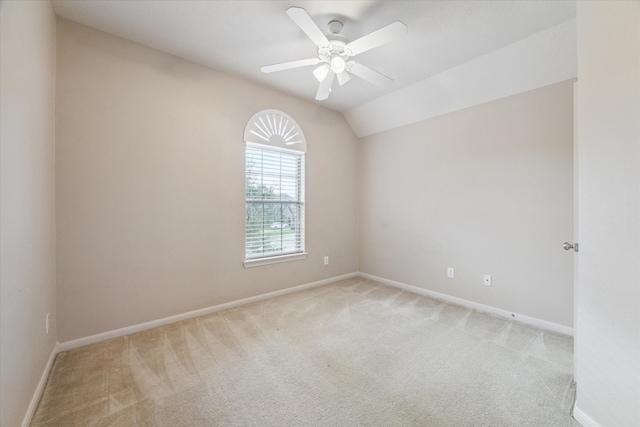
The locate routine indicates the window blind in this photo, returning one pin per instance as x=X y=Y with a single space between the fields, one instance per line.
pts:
x=274 y=202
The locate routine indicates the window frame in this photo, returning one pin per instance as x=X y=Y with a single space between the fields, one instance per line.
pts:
x=272 y=138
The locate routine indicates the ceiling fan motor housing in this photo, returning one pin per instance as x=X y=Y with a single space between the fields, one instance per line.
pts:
x=336 y=46
x=334 y=54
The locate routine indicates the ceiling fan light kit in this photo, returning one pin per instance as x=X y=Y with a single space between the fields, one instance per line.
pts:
x=321 y=72
x=337 y=64
x=335 y=50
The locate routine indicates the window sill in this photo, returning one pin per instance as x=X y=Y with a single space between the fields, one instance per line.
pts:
x=274 y=260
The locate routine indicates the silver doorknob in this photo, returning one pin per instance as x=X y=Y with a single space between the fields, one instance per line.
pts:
x=568 y=246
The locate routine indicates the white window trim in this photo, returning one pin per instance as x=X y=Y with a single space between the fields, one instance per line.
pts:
x=274 y=259
x=274 y=148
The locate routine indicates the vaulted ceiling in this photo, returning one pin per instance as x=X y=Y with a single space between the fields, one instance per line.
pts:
x=241 y=36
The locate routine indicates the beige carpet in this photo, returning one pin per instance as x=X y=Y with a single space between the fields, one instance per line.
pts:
x=352 y=353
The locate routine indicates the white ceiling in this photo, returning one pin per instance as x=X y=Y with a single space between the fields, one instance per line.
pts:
x=242 y=35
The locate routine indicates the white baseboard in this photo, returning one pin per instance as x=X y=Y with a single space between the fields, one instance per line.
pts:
x=80 y=342
x=35 y=399
x=582 y=418
x=539 y=323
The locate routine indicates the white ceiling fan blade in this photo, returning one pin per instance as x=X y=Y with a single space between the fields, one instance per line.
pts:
x=289 y=65
x=369 y=75
x=343 y=77
x=325 y=87
x=377 y=38
x=306 y=24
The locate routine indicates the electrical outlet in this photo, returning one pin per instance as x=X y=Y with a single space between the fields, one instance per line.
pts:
x=326 y=260
x=487 y=279
x=46 y=324
x=451 y=273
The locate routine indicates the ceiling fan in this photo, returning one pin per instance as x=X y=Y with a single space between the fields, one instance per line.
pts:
x=335 y=51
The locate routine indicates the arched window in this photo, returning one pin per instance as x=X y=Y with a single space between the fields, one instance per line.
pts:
x=274 y=190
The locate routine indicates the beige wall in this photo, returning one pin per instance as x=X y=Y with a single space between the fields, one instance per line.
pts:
x=486 y=190
x=27 y=198
x=150 y=186
x=608 y=294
